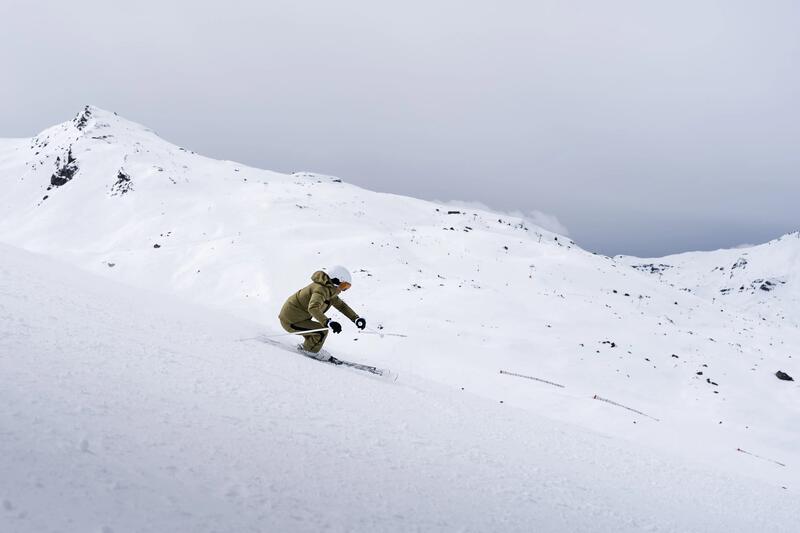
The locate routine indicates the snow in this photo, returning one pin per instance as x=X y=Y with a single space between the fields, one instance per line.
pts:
x=761 y=281
x=134 y=411
x=129 y=392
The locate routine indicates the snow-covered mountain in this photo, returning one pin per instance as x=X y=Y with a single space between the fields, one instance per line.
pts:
x=759 y=280
x=475 y=292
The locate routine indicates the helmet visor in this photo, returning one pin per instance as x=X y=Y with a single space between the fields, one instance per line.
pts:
x=344 y=285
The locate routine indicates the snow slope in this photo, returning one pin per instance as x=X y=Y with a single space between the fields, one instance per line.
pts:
x=476 y=292
x=762 y=281
x=127 y=410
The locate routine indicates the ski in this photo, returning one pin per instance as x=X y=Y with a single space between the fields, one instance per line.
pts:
x=366 y=368
x=382 y=372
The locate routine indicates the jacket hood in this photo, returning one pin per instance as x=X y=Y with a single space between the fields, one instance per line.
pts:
x=321 y=277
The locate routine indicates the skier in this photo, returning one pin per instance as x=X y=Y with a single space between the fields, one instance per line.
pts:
x=305 y=309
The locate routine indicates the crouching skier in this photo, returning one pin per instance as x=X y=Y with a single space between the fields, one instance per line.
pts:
x=305 y=310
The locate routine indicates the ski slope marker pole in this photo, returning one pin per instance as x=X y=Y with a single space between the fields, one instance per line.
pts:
x=596 y=397
x=532 y=378
x=759 y=457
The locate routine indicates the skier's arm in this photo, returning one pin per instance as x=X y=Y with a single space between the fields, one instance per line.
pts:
x=315 y=306
x=343 y=308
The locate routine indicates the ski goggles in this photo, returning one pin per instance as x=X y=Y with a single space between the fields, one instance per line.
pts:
x=344 y=285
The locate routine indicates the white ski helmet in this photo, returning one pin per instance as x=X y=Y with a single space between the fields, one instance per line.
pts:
x=340 y=273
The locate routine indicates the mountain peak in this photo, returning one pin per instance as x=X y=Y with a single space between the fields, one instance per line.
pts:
x=82 y=119
x=61 y=150
x=91 y=117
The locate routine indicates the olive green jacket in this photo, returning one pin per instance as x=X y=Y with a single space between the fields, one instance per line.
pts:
x=314 y=300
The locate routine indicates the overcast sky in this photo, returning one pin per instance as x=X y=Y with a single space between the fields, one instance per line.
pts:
x=643 y=127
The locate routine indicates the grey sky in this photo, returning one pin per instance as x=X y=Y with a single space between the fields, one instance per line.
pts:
x=645 y=127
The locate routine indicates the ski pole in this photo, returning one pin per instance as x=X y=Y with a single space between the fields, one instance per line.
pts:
x=371 y=331
x=297 y=333
x=259 y=337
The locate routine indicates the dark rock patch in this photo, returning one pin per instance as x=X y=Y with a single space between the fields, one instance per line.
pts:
x=123 y=185
x=768 y=285
x=65 y=170
x=652 y=268
x=740 y=263
x=83 y=118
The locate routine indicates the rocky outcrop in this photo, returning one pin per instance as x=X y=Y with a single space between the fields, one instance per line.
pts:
x=83 y=118
x=123 y=185
x=652 y=268
x=766 y=285
x=65 y=169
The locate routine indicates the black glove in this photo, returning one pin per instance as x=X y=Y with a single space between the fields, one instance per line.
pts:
x=361 y=323
x=335 y=326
